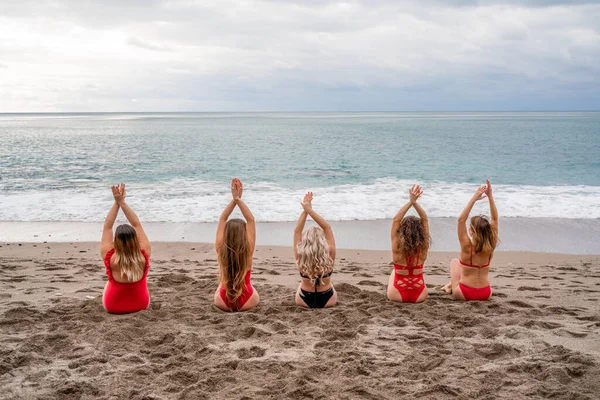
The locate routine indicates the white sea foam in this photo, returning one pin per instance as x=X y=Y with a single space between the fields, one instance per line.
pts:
x=199 y=201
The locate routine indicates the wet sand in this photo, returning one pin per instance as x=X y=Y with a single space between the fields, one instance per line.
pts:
x=538 y=337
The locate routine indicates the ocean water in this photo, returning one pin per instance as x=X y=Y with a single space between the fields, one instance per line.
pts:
x=58 y=167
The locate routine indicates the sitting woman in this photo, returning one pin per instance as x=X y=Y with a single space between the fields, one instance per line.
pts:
x=127 y=260
x=235 y=247
x=469 y=278
x=315 y=253
x=410 y=245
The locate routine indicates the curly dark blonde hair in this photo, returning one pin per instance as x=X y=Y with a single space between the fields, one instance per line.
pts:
x=413 y=239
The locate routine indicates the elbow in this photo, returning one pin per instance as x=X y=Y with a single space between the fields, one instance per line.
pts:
x=250 y=218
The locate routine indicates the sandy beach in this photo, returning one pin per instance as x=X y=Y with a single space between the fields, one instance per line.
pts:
x=537 y=338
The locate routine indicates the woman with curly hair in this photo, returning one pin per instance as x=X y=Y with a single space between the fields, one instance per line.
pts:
x=314 y=250
x=235 y=246
x=469 y=274
x=410 y=244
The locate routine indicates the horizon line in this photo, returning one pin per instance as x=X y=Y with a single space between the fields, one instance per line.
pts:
x=282 y=112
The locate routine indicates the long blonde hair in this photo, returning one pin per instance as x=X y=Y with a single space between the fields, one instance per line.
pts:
x=234 y=259
x=484 y=238
x=314 y=259
x=128 y=255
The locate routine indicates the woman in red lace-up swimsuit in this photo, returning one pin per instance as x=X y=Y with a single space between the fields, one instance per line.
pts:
x=410 y=244
x=126 y=258
x=469 y=275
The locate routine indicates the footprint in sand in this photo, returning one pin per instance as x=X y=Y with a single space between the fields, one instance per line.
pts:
x=252 y=352
x=369 y=283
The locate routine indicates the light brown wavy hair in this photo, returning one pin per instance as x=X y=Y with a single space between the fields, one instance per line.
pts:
x=413 y=239
x=234 y=259
x=128 y=255
x=314 y=259
x=483 y=237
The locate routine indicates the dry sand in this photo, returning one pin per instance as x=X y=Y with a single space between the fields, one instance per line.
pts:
x=537 y=338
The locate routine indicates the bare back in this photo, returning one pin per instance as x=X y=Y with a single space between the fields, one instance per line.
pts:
x=475 y=267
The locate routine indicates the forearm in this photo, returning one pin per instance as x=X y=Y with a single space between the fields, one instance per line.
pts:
x=493 y=209
x=420 y=211
x=402 y=212
x=301 y=222
x=227 y=211
x=464 y=215
x=129 y=214
x=245 y=210
x=109 y=222
x=318 y=219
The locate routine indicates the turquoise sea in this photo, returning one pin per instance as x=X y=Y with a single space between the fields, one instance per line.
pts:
x=58 y=167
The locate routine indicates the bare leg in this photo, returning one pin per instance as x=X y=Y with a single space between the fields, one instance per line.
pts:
x=104 y=294
x=333 y=300
x=392 y=292
x=299 y=300
x=219 y=301
x=455 y=273
x=447 y=288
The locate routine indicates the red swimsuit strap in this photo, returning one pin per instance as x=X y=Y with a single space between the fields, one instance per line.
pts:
x=471 y=261
x=410 y=267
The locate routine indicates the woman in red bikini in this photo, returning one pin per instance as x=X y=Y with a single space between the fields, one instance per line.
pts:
x=126 y=258
x=469 y=278
x=314 y=251
x=235 y=247
x=410 y=244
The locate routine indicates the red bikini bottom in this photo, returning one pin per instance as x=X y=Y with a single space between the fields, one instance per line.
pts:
x=475 y=293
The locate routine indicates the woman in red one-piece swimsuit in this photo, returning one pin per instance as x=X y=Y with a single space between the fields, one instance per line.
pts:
x=469 y=275
x=235 y=247
x=410 y=245
x=126 y=258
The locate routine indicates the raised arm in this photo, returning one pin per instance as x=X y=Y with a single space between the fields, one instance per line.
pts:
x=323 y=224
x=222 y=221
x=493 y=209
x=463 y=236
x=298 y=230
x=107 y=232
x=415 y=193
x=236 y=191
x=133 y=219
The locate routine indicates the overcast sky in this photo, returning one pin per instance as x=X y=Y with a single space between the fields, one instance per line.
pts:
x=155 y=55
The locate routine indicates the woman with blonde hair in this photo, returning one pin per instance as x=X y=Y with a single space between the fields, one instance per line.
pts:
x=469 y=274
x=410 y=245
x=235 y=246
x=314 y=250
x=126 y=258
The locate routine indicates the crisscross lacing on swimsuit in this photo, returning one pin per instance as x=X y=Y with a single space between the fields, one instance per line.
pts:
x=411 y=281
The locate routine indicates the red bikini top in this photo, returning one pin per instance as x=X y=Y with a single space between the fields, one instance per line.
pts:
x=411 y=266
x=471 y=261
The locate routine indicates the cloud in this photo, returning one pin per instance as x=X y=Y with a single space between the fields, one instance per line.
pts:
x=134 y=41
x=312 y=55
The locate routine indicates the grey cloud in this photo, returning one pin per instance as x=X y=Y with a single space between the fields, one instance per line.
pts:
x=134 y=41
x=329 y=55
